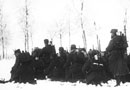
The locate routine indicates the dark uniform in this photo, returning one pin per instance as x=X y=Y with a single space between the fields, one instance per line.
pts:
x=15 y=72
x=48 y=54
x=59 y=70
x=26 y=68
x=94 y=69
x=116 y=49
x=74 y=64
x=22 y=71
x=38 y=64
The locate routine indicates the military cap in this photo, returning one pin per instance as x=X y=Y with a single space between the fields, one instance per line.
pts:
x=73 y=46
x=17 y=51
x=46 y=40
x=61 y=48
x=114 y=30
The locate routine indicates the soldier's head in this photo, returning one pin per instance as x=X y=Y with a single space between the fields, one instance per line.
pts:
x=46 y=41
x=73 y=47
x=113 y=32
x=50 y=42
x=17 y=52
x=61 y=49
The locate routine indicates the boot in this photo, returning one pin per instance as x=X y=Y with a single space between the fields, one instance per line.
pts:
x=118 y=81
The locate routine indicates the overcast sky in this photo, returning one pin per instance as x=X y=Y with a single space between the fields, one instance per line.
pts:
x=49 y=16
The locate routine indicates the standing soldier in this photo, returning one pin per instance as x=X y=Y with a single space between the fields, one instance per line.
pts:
x=58 y=65
x=15 y=72
x=116 y=58
x=47 y=55
x=62 y=57
x=74 y=63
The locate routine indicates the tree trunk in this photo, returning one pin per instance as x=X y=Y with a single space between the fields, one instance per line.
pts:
x=3 y=48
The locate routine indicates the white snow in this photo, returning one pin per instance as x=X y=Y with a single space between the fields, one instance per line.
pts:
x=5 y=68
x=6 y=65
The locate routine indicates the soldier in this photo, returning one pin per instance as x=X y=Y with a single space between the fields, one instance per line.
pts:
x=94 y=69
x=47 y=55
x=61 y=59
x=15 y=72
x=116 y=50
x=62 y=55
x=22 y=71
x=26 y=68
x=38 y=64
x=57 y=65
x=74 y=64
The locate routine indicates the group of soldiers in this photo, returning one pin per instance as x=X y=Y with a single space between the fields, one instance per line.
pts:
x=92 y=67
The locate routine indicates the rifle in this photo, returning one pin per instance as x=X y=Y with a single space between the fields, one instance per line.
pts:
x=125 y=22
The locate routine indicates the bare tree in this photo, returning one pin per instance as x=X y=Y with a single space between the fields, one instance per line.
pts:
x=26 y=31
x=81 y=19
x=3 y=32
x=59 y=30
x=26 y=26
x=82 y=25
x=52 y=34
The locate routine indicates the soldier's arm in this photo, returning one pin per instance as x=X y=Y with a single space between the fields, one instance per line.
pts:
x=110 y=46
x=68 y=61
x=86 y=66
x=41 y=53
x=17 y=63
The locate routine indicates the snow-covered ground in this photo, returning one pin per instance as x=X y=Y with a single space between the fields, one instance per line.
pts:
x=6 y=65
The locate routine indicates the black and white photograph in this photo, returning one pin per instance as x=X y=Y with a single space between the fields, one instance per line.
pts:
x=64 y=44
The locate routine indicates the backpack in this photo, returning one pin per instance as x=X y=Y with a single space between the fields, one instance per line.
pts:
x=24 y=57
x=120 y=42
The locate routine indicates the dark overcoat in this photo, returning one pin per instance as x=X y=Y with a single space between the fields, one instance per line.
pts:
x=116 y=59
